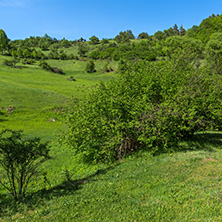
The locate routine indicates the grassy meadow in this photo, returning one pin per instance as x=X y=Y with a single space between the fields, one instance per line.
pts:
x=182 y=186
x=37 y=95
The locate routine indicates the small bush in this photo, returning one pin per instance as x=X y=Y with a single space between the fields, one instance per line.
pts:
x=107 y=68
x=90 y=67
x=47 y=67
x=8 y=62
x=71 y=78
x=19 y=160
x=28 y=61
x=57 y=70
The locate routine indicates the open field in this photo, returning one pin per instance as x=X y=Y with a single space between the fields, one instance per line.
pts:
x=37 y=94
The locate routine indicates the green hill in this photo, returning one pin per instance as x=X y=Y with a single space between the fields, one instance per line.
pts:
x=169 y=75
x=38 y=95
x=207 y=27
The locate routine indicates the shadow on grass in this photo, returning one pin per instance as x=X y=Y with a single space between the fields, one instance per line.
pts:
x=34 y=200
x=3 y=120
x=68 y=186
x=202 y=141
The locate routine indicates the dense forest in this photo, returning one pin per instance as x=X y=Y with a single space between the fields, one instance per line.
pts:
x=165 y=88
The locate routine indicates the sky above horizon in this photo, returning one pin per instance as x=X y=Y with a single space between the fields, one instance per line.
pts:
x=69 y=19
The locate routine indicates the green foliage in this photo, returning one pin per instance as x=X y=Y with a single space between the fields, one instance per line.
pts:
x=94 y=40
x=143 y=35
x=3 y=41
x=107 y=68
x=94 y=54
x=124 y=37
x=122 y=66
x=10 y=62
x=151 y=106
x=182 y=31
x=90 y=67
x=207 y=27
x=82 y=50
x=27 y=53
x=141 y=50
x=214 y=53
x=159 y=35
x=183 y=51
x=20 y=159
x=65 y=43
x=28 y=61
x=46 y=66
x=104 y=41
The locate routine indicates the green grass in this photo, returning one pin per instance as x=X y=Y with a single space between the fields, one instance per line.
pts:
x=36 y=94
x=183 y=186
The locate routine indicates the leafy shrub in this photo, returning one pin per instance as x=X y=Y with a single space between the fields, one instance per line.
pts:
x=107 y=68
x=8 y=62
x=28 y=61
x=151 y=106
x=47 y=67
x=20 y=159
x=72 y=79
x=57 y=70
x=90 y=67
x=94 y=40
x=214 y=52
x=94 y=54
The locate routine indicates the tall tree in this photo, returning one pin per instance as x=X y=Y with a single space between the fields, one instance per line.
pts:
x=175 y=29
x=124 y=36
x=169 y=32
x=3 y=41
x=94 y=40
x=182 y=31
x=159 y=35
x=143 y=35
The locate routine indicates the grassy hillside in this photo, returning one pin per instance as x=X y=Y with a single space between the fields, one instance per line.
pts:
x=37 y=94
x=183 y=186
x=180 y=186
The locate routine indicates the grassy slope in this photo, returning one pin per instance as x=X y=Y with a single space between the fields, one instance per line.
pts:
x=178 y=187
x=184 y=186
x=33 y=92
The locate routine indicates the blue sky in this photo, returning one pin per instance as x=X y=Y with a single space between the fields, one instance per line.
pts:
x=68 y=19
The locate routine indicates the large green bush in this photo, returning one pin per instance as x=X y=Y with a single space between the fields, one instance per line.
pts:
x=151 y=106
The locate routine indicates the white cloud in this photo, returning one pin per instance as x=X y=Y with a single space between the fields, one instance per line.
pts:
x=13 y=3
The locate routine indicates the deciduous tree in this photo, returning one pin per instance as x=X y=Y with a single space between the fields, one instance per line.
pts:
x=3 y=41
x=94 y=40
